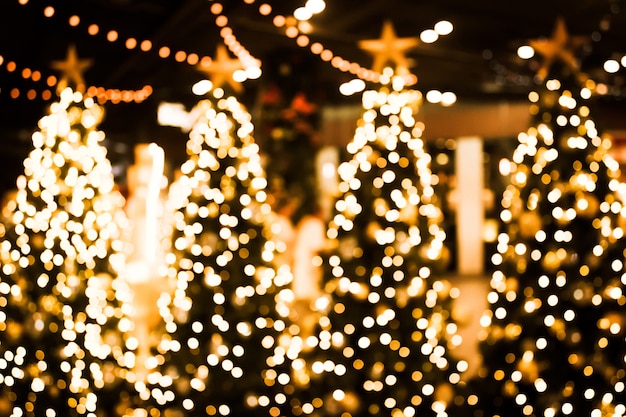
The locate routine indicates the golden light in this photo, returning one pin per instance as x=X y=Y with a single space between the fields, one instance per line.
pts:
x=265 y=9
x=302 y=13
x=444 y=27
x=93 y=29
x=86 y=229
x=429 y=36
x=525 y=52
x=131 y=43
x=315 y=6
x=145 y=45
x=164 y=52
x=112 y=36
x=611 y=66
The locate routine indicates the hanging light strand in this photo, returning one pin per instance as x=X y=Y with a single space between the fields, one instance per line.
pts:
x=252 y=65
x=101 y=94
x=297 y=27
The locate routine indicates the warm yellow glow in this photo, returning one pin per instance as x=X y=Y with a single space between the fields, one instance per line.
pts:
x=112 y=36
x=145 y=45
x=67 y=220
x=561 y=232
x=74 y=20
x=376 y=241
x=265 y=9
x=525 y=52
x=444 y=27
x=219 y=204
x=429 y=36
x=611 y=66
x=164 y=52
x=131 y=43
x=302 y=13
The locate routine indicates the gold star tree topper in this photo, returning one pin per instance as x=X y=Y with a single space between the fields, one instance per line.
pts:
x=221 y=69
x=72 y=70
x=389 y=48
x=561 y=46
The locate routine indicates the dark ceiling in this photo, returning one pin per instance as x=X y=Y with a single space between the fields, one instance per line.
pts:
x=477 y=61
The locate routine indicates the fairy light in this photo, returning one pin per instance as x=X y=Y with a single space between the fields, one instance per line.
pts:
x=525 y=52
x=446 y=98
x=297 y=26
x=102 y=95
x=251 y=65
x=611 y=66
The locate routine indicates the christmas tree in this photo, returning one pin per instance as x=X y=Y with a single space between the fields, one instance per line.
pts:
x=225 y=350
x=60 y=343
x=554 y=343
x=381 y=344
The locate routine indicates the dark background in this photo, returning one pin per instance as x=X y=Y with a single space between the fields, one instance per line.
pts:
x=477 y=61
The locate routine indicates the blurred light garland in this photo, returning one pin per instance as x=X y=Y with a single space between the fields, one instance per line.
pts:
x=296 y=26
x=251 y=65
x=102 y=94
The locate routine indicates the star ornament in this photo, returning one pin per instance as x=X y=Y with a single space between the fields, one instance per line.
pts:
x=221 y=69
x=389 y=48
x=72 y=70
x=561 y=46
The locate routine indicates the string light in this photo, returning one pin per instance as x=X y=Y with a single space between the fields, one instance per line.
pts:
x=297 y=27
x=114 y=96
x=101 y=94
x=294 y=28
x=252 y=65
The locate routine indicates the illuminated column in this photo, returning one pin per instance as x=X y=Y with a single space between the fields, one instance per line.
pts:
x=327 y=161
x=144 y=269
x=470 y=205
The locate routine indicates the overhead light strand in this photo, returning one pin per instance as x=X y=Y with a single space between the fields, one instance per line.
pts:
x=252 y=65
x=297 y=27
x=101 y=94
